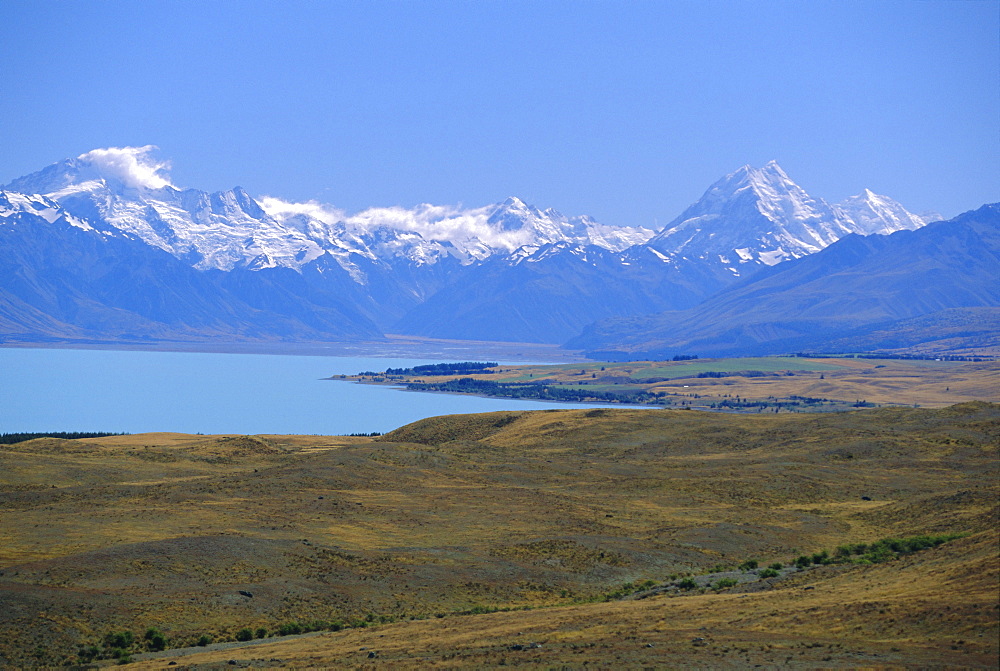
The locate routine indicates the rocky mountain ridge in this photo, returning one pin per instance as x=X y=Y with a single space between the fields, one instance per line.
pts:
x=508 y=271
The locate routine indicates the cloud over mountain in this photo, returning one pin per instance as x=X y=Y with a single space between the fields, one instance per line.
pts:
x=134 y=166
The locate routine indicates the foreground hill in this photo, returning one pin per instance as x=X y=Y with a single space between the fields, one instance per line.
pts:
x=860 y=291
x=205 y=536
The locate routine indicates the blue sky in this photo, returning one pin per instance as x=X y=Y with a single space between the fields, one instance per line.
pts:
x=625 y=111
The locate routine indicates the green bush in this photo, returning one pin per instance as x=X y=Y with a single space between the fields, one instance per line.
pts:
x=119 y=639
x=821 y=558
x=261 y=632
x=803 y=561
x=748 y=565
x=204 y=640
x=244 y=634
x=769 y=573
x=687 y=583
x=157 y=642
x=87 y=654
x=725 y=582
x=289 y=628
x=776 y=566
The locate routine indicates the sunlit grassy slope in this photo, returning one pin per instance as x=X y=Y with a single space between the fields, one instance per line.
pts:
x=509 y=510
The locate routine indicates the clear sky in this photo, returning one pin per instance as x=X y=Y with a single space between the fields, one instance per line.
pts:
x=625 y=110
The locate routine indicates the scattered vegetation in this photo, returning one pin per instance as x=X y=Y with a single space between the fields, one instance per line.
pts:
x=889 y=548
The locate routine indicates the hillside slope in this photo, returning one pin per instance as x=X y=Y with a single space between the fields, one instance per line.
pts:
x=207 y=535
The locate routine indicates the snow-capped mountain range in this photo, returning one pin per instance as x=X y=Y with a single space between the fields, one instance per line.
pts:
x=420 y=269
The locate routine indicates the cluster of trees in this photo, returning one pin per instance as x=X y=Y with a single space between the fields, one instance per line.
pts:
x=460 y=368
x=10 y=438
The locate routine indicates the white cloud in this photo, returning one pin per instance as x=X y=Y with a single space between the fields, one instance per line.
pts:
x=132 y=165
x=281 y=209
x=439 y=223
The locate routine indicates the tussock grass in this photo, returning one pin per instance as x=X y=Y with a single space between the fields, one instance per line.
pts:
x=483 y=513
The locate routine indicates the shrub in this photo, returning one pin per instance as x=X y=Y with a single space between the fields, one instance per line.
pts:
x=119 y=639
x=776 y=566
x=821 y=558
x=157 y=642
x=748 y=565
x=244 y=634
x=87 y=654
x=289 y=628
x=725 y=582
x=687 y=583
x=769 y=573
x=261 y=632
x=803 y=561
x=204 y=640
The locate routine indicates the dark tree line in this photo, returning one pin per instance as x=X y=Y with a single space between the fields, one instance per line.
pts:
x=10 y=438
x=460 y=368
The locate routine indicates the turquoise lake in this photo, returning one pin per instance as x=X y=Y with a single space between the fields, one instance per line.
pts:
x=138 y=391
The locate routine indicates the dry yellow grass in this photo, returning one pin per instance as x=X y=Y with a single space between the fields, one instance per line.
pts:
x=936 y=609
x=513 y=509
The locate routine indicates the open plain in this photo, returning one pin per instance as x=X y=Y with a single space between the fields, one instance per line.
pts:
x=546 y=539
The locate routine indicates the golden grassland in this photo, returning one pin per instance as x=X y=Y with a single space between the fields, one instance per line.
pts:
x=547 y=510
x=924 y=383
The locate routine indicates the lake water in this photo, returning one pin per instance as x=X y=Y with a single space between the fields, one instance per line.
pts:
x=136 y=391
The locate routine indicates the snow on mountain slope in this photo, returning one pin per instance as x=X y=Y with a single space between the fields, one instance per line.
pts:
x=759 y=216
x=881 y=215
x=130 y=190
x=13 y=203
x=429 y=233
x=125 y=187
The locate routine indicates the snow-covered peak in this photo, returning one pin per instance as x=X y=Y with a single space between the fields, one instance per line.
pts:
x=752 y=215
x=760 y=216
x=875 y=214
x=513 y=214
x=128 y=190
x=119 y=169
